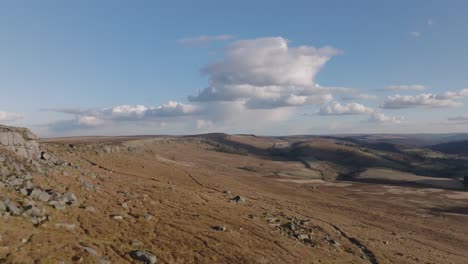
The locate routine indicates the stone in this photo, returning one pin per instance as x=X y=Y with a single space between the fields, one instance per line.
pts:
x=143 y=256
x=4 y=171
x=28 y=185
x=20 y=141
x=148 y=217
x=36 y=192
x=24 y=191
x=69 y=227
x=45 y=156
x=2 y=207
x=44 y=196
x=104 y=260
x=12 y=207
x=220 y=228
x=28 y=176
x=90 y=209
x=117 y=217
x=15 y=182
x=31 y=211
x=124 y=205
x=59 y=206
x=238 y=199
x=69 y=198
x=91 y=251
x=135 y=243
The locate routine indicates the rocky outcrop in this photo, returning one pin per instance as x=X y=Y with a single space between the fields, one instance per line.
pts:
x=20 y=141
x=21 y=156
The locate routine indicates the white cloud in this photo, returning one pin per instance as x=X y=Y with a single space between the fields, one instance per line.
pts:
x=136 y=112
x=378 y=117
x=397 y=88
x=266 y=72
x=204 y=39
x=358 y=96
x=447 y=99
x=123 y=113
x=257 y=84
x=336 y=108
x=7 y=116
x=415 y=34
x=287 y=101
x=204 y=124
x=89 y=121
x=459 y=118
x=452 y=95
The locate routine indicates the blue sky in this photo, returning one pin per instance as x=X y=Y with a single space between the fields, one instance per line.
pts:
x=127 y=67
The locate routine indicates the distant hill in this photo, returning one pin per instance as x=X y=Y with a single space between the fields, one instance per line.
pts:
x=412 y=140
x=456 y=147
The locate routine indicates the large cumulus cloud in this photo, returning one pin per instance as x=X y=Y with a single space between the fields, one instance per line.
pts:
x=267 y=73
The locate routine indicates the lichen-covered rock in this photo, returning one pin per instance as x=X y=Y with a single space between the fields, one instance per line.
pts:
x=20 y=141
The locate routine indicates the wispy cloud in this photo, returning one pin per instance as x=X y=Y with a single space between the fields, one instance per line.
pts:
x=412 y=87
x=428 y=100
x=123 y=113
x=459 y=118
x=415 y=34
x=204 y=39
x=7 y=116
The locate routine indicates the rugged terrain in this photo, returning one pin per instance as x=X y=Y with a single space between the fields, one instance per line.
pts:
x=228 y=199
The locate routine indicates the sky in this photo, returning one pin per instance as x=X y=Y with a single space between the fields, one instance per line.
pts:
x=257 y=67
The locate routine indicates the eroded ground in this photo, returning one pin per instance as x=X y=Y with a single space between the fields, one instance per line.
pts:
x=174 y=198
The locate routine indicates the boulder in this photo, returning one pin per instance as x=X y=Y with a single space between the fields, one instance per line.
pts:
x=143 y=256
x=238 y=199
x=20 y=141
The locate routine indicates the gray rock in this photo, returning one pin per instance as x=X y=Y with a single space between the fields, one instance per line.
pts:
x=36 y=192
x=117 y=217
x=238 y=199
x=2 y=207
x=220 y=228
x=30 y=211
x=4 y=171
x=91 y=251
x=24 y=191
x=135 y=243
x=15 y=182
x=38 y=220
x=20 y=141
x=104 y=260
x=69 y=198
x=28 y=185
x=13 y=208
x=70 y=227
x=143 y=256
x=28 y=176
x=90 y=209
x=44 y=196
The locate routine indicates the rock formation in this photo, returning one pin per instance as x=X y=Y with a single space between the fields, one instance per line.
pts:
x=20 y=141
